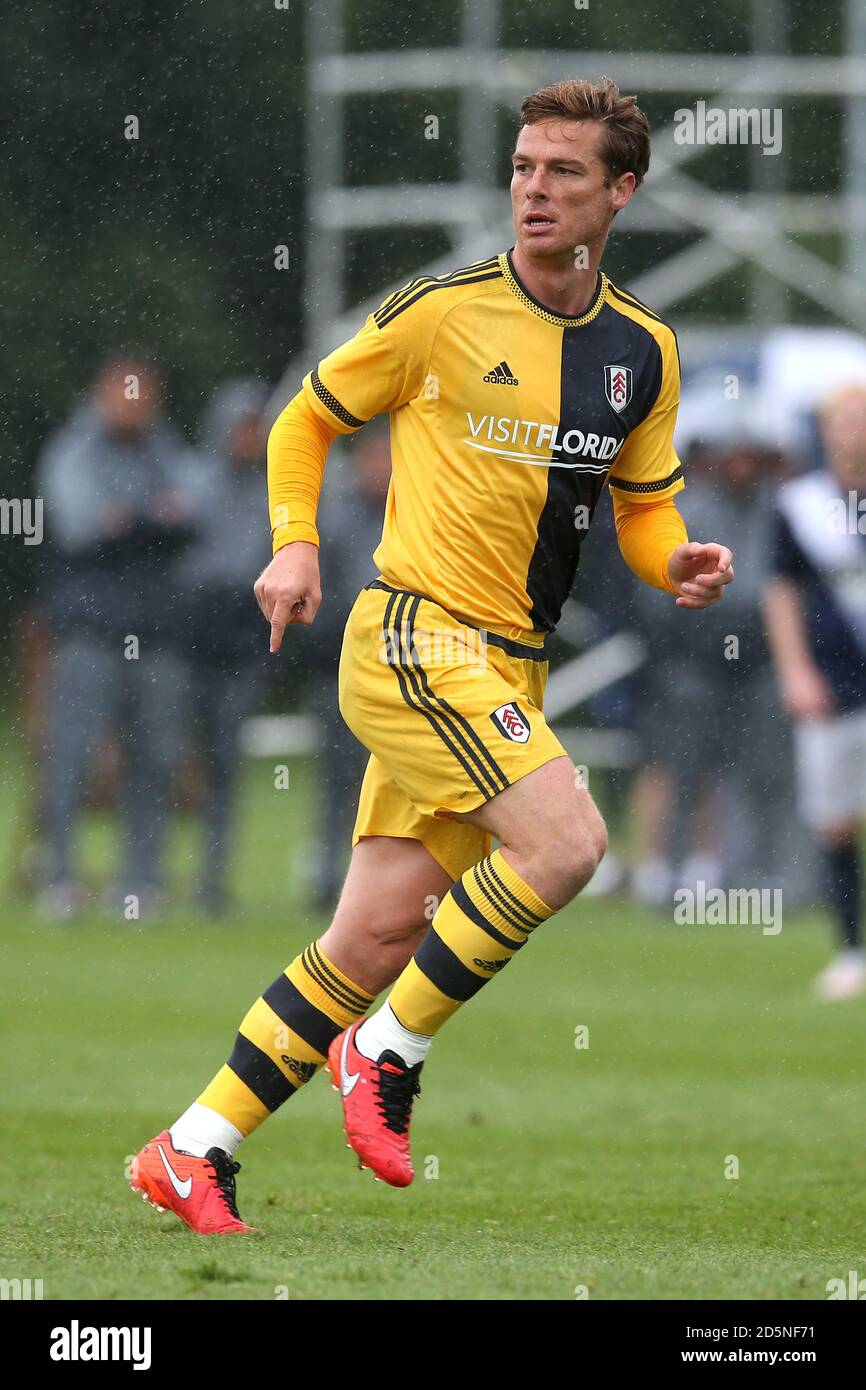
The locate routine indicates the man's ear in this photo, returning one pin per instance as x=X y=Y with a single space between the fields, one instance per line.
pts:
x=623 y=188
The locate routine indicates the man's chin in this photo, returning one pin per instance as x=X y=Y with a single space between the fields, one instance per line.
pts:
x=549 y=249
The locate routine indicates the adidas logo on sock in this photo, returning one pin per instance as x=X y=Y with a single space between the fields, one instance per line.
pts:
x=502 y=376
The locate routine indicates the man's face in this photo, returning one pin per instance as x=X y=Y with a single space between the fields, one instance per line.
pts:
x=843 y=430
x=373 y=465
x=742 y=468
x=562 y=196
x=247 y=440
x=127 y=398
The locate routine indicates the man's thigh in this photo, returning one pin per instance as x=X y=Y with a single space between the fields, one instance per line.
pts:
x=544 y=807
x=393 y=881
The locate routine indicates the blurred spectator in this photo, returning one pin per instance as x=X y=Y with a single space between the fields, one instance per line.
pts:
x=605 y=595
x=816 y=620
x=118 y=515
x=31 y=665
x=707 y=804
x=221 y=630
x=350 y=528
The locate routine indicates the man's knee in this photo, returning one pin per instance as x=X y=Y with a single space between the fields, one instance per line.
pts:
x=391 y=892
x=565 y=852
x=393 y=929
x=584 y=844
x=373 y=947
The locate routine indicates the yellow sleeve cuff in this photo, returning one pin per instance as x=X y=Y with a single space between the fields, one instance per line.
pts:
x=294 y=531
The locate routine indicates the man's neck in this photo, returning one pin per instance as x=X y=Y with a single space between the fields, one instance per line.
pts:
x=564 y=289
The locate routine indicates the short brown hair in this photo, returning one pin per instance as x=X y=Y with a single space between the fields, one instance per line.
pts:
x=627 y=131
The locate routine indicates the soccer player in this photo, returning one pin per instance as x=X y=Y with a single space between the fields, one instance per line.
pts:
x=815 y=608
x=517 y=388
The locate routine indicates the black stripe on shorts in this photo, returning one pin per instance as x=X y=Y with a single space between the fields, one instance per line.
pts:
x=444 y=704
x=408 y=681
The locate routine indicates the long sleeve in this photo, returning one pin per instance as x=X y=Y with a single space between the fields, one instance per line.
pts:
x=382 y=367
x=297 y=448
x=647 y=532
x=67 y=480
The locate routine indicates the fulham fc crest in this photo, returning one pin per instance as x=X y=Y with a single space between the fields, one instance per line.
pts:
x=617 y=386
x=510 y=721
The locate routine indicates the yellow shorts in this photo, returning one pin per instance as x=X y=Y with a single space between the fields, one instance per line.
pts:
x=451 y=715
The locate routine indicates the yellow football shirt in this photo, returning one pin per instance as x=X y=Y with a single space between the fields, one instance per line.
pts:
x=507 y=420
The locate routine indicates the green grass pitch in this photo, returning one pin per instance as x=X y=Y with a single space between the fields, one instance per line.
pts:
x=557 y=1169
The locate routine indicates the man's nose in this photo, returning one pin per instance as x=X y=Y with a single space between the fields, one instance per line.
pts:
x=537 y=186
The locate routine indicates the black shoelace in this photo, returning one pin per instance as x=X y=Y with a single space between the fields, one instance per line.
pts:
x=397 y=1092
x=225 y=1170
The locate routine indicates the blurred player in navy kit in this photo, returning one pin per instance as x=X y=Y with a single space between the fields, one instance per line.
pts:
x=815 y=609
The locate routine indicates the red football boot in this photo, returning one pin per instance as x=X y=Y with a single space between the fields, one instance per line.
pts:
x=377 y=1106
x=201 y=1191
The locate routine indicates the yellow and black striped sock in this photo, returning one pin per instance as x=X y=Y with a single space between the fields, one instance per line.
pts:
x=480 y=925
x=284 y=1039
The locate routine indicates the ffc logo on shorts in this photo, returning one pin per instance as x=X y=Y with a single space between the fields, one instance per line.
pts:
x=510 y=721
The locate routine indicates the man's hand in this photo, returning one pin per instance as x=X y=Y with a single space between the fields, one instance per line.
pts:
x=700 y=572
x=807 y=693
x=118 y=518
x=288 y=589
x=169 y=508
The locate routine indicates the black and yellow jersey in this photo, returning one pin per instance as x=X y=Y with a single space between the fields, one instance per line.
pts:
x=507 y=420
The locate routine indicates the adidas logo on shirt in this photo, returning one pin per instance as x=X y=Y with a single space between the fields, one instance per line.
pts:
x=502 y=376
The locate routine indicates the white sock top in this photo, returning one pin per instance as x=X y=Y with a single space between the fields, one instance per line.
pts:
x=200 y=1128
x=383 y=1032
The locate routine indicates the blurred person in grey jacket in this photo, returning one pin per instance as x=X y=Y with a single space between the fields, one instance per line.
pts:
x=227 y=671
x=118 y=515
x=714 y=759
x=351 y=528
